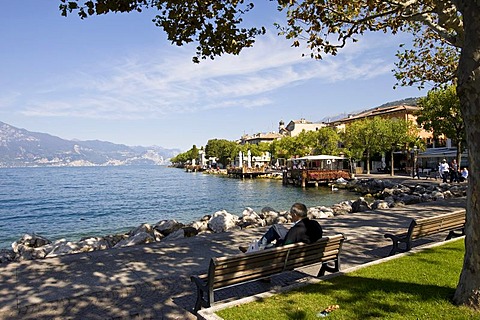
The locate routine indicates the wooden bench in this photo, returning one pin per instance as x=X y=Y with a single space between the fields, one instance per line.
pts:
x=242 y=268
x=453 y=222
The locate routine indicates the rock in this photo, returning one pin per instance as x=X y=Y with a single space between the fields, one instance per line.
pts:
x=409 y=199
x=166 y=227
x=141 y=228
x=281 y=219
x=250 y=218
x=380 y=205
x=139 y=238
x=448 y=194
x=190 y=232
x=437 y=195
x=6 y=255
x=31 y=241
x=343 y=207
x=318 y=213
x=271 y=217
x=178 y=234
x=93 y=244
x=360 y=205
x=201 y=226
x=222 y=221
x=61 y=247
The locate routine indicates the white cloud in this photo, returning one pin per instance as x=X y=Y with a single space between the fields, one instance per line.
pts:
x=154 y=84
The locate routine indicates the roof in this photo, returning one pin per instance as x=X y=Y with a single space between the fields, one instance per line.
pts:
x=379 y=111
x=439 y=153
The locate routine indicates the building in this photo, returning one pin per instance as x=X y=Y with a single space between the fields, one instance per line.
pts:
x=294 y=127
x=259 y=138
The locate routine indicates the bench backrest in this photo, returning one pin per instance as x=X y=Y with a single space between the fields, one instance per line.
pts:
x=432 y=225
x=231 y=270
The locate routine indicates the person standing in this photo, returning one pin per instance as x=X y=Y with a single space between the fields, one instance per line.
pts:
x=453 y=171
x=444 y=168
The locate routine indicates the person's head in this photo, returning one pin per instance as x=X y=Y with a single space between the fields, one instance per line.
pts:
x=444 y=160
x=298 y=211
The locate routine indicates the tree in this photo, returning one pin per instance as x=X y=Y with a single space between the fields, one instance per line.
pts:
x=186 y=156
x=365 y=137
x=327 y=26
x=221 y=149
x=326 y=141
x=441 y=114
x=399 y=134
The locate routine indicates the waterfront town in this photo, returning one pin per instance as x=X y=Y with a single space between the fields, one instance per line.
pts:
x=417 y=153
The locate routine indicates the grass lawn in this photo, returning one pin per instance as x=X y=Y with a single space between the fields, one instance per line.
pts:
x=418 y=286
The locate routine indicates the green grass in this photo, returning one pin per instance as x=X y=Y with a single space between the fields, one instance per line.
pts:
x=418 y=286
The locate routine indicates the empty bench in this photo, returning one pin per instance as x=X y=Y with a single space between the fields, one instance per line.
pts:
x=453 y=222
x=242 y=268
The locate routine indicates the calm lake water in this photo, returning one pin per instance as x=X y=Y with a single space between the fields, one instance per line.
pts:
x=73 y=202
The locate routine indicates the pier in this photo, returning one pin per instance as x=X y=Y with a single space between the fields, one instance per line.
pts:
x=242 y=172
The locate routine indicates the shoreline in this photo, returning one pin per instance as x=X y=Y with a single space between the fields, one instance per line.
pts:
x=32 y=246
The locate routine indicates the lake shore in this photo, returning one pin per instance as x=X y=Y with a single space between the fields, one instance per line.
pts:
x=388 y=191
x=152 y=280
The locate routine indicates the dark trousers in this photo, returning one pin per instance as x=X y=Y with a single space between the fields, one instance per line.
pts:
x=445 y=176
x=453 y=176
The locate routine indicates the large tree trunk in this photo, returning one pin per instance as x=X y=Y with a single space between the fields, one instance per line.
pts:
x=468 y=289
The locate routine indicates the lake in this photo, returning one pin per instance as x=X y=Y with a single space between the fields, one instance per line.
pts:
x=73 y=202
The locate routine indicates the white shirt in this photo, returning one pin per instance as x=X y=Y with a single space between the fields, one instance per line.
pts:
x=444 y=167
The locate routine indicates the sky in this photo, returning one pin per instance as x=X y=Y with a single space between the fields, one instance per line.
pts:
x=116 y=78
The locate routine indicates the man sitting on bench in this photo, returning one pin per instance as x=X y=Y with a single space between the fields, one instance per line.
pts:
x=303 y=230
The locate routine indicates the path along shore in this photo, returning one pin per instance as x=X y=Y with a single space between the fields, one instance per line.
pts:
x=153 y=281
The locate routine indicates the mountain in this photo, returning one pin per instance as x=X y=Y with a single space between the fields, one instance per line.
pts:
x=22 y=148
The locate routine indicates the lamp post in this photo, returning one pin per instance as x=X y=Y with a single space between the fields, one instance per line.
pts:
x=414 y=160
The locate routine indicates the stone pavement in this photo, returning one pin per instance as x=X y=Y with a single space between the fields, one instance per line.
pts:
x=153 y=281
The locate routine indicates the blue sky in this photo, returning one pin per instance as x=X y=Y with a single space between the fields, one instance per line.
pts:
x=116 y=78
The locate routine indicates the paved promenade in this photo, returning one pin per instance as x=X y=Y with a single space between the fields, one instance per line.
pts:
x=152 y=281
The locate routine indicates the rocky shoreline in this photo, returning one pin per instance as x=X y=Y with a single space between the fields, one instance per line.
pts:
x=384 y=194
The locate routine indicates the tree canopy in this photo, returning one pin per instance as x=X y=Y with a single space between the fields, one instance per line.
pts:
x=441 y=114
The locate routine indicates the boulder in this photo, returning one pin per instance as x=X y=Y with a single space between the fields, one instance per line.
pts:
x=270 y=217
x=139 y=238
x=201 y=226
x=360 y=205
x=31 y=241
x=250 y=218
x=61 y=247
x=189 y=232
x=343 y=207
x=437 y=195
x=93 y=244
x=178 y=234
x=141 y=228
x=6 y=255
x=166 y=227
x=409 y=198
x=380 y=205
x=318 y=213
x=222 y=221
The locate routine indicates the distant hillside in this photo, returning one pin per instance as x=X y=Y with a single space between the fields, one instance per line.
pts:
x=22 y=148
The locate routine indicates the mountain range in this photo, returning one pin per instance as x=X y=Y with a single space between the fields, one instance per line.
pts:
x=22 y=148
